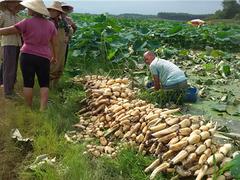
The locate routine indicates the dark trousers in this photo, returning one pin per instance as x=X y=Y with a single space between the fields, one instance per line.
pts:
x=174 y=93
x=32 y=65
x=10 y=63
x=178 y=86
x=66 y=54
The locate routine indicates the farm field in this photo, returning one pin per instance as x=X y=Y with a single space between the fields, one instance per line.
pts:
x=114 y=47
x=209 y=55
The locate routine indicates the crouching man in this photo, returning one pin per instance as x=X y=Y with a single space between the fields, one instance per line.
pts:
x=166 y=75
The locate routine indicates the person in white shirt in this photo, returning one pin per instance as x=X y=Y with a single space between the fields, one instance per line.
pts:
x=166 y=75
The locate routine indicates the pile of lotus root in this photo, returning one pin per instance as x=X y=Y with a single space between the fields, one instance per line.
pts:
x=182 y=144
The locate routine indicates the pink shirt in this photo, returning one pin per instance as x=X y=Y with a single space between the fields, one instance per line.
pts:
x=37 y=33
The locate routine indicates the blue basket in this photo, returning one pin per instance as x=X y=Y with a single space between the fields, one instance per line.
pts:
x=191 y=95
x=150 y=84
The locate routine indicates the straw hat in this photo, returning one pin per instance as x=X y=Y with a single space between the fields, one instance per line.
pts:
x=67 y=6
x=37 y=6
x=3 y=3
x=6 y=1
x=56 y=6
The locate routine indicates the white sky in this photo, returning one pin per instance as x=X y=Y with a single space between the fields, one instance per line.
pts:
x=144 y=7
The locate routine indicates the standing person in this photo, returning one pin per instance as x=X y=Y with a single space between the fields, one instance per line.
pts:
x=68 y=9
x=166 y=75
x=39 y=36
x=10 y=46
x=56 y=69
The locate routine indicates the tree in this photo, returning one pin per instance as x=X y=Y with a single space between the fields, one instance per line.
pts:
x=230 y=9
x=218 y=14
x=237 y=17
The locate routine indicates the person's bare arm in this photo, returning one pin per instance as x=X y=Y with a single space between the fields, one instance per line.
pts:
x=8 y=30
x=54 y=47
x=156 y=81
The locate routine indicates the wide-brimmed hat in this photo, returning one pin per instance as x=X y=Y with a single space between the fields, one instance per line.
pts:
x=69 y=7
x=3 y=3
x=37 y=6
x=6 y=1
x=56 y=6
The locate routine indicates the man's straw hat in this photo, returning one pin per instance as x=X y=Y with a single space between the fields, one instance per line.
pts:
x=56 y=6
x=68 y=7
x=37 y=6
x=3 y=3
x=6 y=1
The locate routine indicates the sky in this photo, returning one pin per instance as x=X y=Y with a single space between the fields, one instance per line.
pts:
x=150 y=7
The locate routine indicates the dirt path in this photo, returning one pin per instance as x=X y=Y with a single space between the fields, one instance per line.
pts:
x=5 y=166
x=10 y=155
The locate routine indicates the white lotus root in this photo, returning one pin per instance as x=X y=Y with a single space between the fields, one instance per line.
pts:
x=182 y=144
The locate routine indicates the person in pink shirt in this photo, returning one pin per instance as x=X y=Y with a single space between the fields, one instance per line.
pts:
x=38 y=50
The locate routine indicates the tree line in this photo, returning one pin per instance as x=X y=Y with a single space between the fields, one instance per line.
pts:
x=181 y=16
x=231 y=9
